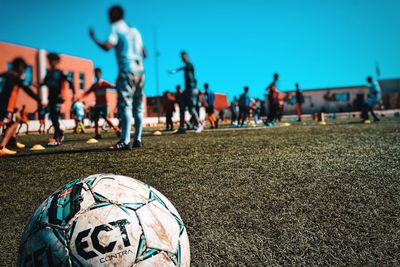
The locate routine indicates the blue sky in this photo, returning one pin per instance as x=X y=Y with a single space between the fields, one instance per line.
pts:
x=232 y=43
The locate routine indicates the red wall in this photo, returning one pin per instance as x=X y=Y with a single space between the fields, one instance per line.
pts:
x=7 y=55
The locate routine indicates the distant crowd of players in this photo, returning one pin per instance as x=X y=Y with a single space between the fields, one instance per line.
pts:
x=130 y=54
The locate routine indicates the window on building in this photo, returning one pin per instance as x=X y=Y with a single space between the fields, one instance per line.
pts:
x=70 y=76
x=28 y=74
x=342 y=97
x=81 y=80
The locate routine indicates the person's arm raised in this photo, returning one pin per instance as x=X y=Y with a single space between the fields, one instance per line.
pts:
x=106 y=46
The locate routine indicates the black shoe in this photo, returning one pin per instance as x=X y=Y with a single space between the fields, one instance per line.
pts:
x=137 y=144
x=97 y=136
x=377 y=120
x=120 y=146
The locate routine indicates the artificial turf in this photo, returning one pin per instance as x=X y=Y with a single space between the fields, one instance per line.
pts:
x=299 y=195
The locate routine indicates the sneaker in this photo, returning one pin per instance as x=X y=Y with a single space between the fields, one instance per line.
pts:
x=137 y=144
x=181 y=131
x=199 y=129
x=120 y=146
x=53 y=142
x=97 y=136
x=6 y=152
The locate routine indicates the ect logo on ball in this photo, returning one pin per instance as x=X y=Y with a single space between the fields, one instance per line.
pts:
x=82 y=244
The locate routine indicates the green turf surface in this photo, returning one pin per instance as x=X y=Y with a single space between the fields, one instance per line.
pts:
x=299 y=195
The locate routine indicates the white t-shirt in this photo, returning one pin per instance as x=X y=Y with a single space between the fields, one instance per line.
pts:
x=128 y=47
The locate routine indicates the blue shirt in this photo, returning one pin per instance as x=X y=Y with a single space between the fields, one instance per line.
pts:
x=375 y=91
x=209 y=96
x=244 y=100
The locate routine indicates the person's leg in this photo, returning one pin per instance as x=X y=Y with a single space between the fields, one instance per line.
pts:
x=54 y=115
x=27 y=128
x=364 y=112
x=110 y=124
x=125 y=94
x=9 y=132
x=138 y=116
x=245 y=115
x=170 y=125
x=298 y=111
x=96 y=118
x=19 y=128
x=371 y=109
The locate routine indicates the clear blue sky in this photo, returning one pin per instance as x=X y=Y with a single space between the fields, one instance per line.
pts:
x=232 y=43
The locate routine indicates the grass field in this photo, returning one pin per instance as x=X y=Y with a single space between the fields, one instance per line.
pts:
x=299 y=195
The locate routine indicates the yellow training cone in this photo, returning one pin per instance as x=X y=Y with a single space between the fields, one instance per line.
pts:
x=286 y=124
x=157 y=133
x=20 y=145
x=92 y=141
x=37 y=148
x=367 y=122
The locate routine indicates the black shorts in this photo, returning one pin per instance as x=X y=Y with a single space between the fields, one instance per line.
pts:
x=210 y=110
x=7 y=117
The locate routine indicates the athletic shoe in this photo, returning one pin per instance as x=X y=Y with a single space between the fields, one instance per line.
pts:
x=120 y=146
x=377 y=120
x=181 y=131
x=137 y=144
x=53 y=142
x=6 y=152
x=199 y=129
x=97 y=136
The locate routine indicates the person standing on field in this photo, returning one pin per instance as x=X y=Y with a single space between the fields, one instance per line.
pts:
x=168 y=101
x=244 y=107
x=374 y=98
x=191 y=94
x=209 y=98
x=130 y=53
x=299 y=101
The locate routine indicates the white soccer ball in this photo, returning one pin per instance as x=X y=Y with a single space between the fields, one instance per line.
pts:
x=105 y=220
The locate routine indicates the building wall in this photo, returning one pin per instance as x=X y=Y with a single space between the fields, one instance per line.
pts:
x=7 y=55
x=37 y=60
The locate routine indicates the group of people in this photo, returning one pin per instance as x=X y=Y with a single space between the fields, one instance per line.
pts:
x=130 y=53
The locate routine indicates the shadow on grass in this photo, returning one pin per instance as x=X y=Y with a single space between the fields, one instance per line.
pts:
x=60 y=152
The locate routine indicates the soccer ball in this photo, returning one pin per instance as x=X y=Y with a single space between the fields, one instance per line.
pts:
x=105 y=220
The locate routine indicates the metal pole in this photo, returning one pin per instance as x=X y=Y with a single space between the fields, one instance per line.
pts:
x=157 y=54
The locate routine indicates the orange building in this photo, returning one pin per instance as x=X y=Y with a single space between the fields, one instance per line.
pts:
x=79 y=71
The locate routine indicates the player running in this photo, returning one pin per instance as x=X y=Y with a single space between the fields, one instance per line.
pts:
x=10 y=84
x=130 y=52
x=190 y=94
x=100 y=110
x=56 y=82
x=273 y=101
x=244 y=107
x=374 y=97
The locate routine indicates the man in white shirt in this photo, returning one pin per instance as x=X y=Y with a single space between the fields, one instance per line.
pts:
x=130 y=53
